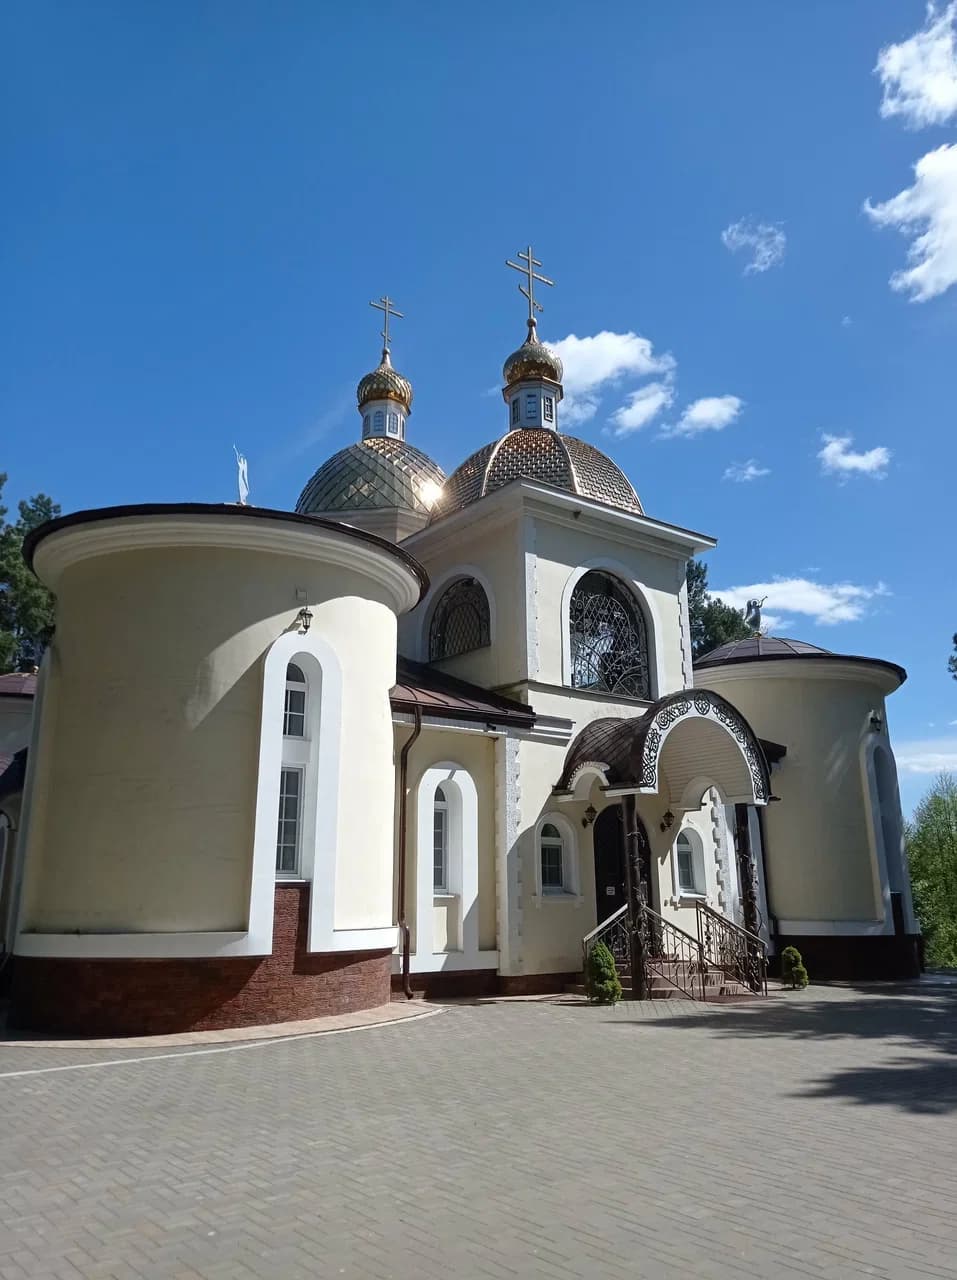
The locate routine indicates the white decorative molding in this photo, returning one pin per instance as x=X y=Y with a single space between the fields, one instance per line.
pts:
x=529 y=569
x=507 y=854
x=645 y=602
x=882 y=858
x=835 y=928
x=75 y=543
x=462 y=797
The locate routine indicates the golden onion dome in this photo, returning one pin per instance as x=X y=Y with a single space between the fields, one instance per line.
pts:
x=532 y=453
x=532 y=360
x=383 y=383
x=378 y=473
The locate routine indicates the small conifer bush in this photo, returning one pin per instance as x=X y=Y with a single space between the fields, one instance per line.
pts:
x=793 y=972
x=602 y=984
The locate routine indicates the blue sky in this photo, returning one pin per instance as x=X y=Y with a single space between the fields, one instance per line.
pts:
x=201 y=199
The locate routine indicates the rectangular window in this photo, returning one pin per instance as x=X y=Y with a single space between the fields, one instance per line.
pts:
x=440 y=850
x=516 y=410
x=294 y=716
x=290 y=822
x=531 y=405
x=553 y=876
x=686 y=881
x=549 y=404
x=393 y=424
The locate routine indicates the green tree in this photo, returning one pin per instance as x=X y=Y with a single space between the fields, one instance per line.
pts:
x=602 y=984
x=932 y=855
x=712 y=621
x=793 y=972
x=26 y=606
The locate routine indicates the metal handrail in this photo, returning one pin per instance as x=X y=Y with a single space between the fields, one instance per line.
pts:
x=677 y=948
x=704 y=909
x=737 y=952
x=616 y=935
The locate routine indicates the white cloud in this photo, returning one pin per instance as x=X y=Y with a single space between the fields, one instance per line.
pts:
x=711 y=413
x=926 y=755
x=846 y=322
x=765 y=242
x=744 y=471
x=919 y=75
x=927 y=211
x=826 y=604
x=602 y=360
x=838 y=458
x=642 y=406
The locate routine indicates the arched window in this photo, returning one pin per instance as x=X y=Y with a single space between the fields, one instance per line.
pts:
x=609 y=638
x=294 y=713
x=516 y=410
x=690 y=878
x=551 y=851
x=293 y=774
x=378 y=419
x=460 y=622
x=440 y=842
x=366 y=424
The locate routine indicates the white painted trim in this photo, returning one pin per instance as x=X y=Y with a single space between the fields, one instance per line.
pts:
x=832 y=668
x=571 y=861
x=678 y=894
x=834 y=928
x=76 y=543
x=691 y=715
x=463 y=853
x=174 y=946
x=880 y=855
x=643 y=600
x=437 y=589
x=321 y=801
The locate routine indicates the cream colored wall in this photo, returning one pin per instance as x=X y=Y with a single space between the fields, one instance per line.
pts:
x=560 y=550
x=145 y=792
x=16 y=715
x=475 y=752
x=498 y=555
x=818 y=855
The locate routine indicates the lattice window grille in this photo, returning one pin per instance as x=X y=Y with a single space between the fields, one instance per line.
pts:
x=609 y=639
x=461 y=620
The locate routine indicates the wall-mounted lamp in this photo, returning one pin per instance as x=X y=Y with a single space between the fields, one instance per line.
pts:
x=589 y=816
x=304 y=618
x=668 y=821
x=876 y=722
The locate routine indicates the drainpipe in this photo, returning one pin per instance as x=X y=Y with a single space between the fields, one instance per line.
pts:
x=403 y=806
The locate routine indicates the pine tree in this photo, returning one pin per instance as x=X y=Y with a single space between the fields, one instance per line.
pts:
x=26 y=606
x=602 y=983
x=713 y=622
x=793 y=971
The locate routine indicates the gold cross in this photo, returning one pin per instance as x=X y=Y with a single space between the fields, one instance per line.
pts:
x=386 y=305
x=531 y=275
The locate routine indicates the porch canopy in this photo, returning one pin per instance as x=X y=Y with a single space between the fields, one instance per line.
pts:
x=683 y=744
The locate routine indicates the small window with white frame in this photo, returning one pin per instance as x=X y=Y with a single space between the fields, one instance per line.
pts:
x=516 y=410
x=294 y=712
x=531 y=405
x=551 y=852
x=548 y=405
x=366 y=424
x=690 y=878
x=290 y=822
x=393 y=424
x=440 y=842
x=378 y=420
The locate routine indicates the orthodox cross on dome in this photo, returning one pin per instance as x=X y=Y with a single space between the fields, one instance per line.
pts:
x=387 y=307
x=528 y=270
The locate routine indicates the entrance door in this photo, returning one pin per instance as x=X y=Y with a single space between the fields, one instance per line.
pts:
x=609 y=863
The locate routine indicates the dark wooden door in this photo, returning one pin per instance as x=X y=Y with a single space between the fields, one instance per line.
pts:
x=609 y=863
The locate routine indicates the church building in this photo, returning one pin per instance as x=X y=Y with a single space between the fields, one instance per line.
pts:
x=425 y=734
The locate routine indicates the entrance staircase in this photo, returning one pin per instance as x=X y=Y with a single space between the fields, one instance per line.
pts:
x=724 y=962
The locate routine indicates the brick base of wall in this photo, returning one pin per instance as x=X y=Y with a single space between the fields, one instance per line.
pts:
x=535 y=984
x=852 y=958
x=158 y=997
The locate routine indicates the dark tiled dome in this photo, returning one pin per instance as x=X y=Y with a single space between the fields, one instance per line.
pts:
x=375 y=474
x=537 y=453
x=759 y=647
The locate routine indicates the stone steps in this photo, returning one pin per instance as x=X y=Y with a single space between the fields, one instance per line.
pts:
x=671 y=977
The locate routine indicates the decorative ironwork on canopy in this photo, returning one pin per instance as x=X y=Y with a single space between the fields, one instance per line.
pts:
x=461 y=620
x=609 y=638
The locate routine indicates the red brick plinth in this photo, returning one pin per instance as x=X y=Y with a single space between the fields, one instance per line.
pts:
x=158 y=997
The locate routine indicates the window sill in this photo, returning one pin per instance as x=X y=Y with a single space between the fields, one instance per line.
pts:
x=444 y=897
x=564 y=895
x=685 y=896
x=292 y=880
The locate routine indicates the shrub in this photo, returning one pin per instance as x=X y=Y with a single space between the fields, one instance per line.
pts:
x=602 y=984
x=793 y=971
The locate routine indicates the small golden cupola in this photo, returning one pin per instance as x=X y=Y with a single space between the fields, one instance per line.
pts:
x=533 y=373
x=384 y=397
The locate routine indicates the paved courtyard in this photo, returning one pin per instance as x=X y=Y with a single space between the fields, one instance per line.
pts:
x=814 y=1135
